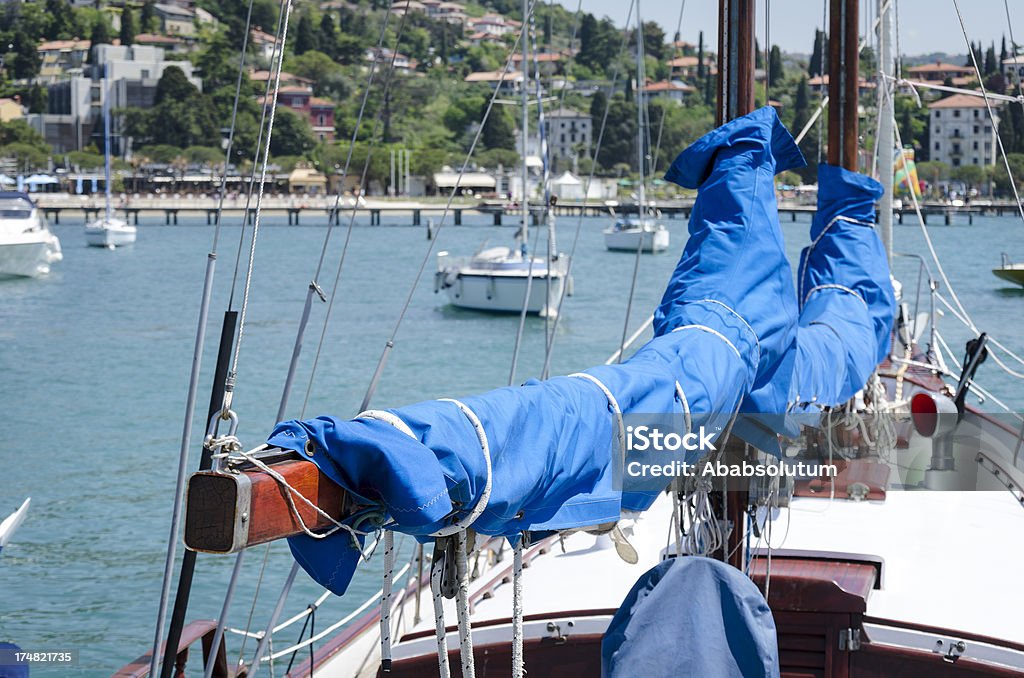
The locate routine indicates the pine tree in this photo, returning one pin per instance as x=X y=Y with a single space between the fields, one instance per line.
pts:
x=700 y=55
x=147 y=17
x=60 y=20
x=100 y=32
x=814 y=66
x=305 y=36
x=26 y=58
x=990 y=60
x=776 y=73
x=327 y=37
x=128 y=29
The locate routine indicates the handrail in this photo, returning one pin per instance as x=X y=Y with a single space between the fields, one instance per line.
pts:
x=202 y=630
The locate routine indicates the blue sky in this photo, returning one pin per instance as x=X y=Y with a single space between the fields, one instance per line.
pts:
x=925 y=25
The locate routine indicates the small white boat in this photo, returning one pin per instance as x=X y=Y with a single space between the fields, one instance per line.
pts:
x=109 y=232
x=497 y=278
x=632 y=233
x=1010 y=271
x=27 y=247
x=12 y=522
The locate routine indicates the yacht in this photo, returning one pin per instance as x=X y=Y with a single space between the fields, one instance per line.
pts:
x=497 y=279
x=629 y=234
x=1010 y=271
x=27 y=247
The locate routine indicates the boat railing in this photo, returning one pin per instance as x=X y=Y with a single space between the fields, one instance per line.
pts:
x=202 y=630
x=924 y=274
x=1006 y=263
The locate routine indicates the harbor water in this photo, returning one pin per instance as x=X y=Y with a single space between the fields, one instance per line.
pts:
x=95 y=359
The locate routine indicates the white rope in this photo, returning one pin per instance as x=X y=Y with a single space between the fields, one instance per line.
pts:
x=995 y=342
x=517 y=609
x=354 y=533
x=704 y=535
x=481 y=503
x=707 y=329
x=835 y=286
x=613 y=404
x=388 y=418
x=385 y=601
x=462 y=607
x=330 y=629
x=687 y=418
x=439 y=625
x=805 y=256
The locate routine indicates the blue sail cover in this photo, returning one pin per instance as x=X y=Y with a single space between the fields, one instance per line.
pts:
x=691 y=617
x=845 y=292
x=553 y=443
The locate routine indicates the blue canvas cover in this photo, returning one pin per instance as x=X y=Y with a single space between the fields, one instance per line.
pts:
x=691 y=617
x=553 y=443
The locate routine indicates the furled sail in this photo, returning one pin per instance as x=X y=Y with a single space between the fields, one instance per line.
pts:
x=543 y=456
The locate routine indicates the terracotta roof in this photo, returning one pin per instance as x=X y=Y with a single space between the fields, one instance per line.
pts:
x=668 y=87
x=320 y=101
x=820 y=80
x=154 y=39
x=939 y=66
x=493 y=76
x=959 y=101
x=54 y=45
x=541 y=58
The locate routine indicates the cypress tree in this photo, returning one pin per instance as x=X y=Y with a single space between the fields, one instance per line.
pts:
x=814 y=66
x=128 y=29
x=990 y=60
x=776 y=72
x=700 y=55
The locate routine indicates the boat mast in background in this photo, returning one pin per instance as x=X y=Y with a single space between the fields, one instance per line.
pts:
x=735 y=99
x=523 y=235
x=886 y=143
x=641 y=81
x=106 y=140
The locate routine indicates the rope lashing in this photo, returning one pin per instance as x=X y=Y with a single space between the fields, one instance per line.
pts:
x=462 y=607
x=436 y=573
x=705 y=328
x=613 y=404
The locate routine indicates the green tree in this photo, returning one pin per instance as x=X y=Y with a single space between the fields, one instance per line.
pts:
x=147 y=17
x=305 y=35
x=700 y=56
x=173 y=86
x=100 y=32
x=990 y=60
x=61 y=20
x=128 y=28
x=292 y=134
x=776 y=71
x=819 y=55
x=37 y=96
x=499 y=130
x=654 y=40
x=26 y=57
x=327 y=35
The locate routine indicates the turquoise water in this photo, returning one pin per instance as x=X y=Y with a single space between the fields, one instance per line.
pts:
x=94 y=364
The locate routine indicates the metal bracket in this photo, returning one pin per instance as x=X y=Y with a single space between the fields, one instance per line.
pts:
x=849 y=640
x=954 y=650
x=555 y=629
x=444 y=559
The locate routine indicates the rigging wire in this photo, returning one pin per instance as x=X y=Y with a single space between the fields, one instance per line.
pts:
x=545 y=372
x=678 y=51
x=390 y=343
x=351 y=223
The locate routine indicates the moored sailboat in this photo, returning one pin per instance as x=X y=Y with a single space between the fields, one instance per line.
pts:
x=108 y=231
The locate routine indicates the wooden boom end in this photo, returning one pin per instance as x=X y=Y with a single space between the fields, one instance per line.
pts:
x=226 y=512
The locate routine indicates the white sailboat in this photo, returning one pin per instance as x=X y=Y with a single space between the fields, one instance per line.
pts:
x=108 y=231
x=13 y=522
x=505 y=279
x=27 y=246
x=643 y=232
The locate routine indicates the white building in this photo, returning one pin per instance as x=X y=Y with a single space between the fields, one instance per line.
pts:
x=961 y=132
x=570 y=134
x=74 y=106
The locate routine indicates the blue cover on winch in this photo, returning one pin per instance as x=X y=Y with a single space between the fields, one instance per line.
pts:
x=691 y=617
x=552 y=443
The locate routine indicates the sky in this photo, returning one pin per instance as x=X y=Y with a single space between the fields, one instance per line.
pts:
x=926 y=26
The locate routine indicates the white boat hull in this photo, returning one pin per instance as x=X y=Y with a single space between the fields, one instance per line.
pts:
x=29 y=255
x=109 y=233
x=497 y=282
x=629 y=239
x=12 y=522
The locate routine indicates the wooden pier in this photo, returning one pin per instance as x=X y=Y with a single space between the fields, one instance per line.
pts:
x=324 y=211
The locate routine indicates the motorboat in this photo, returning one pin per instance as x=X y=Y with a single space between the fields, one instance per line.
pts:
x=629 y=234
x=499 y=278
x=27 y=246
x=1010 y=271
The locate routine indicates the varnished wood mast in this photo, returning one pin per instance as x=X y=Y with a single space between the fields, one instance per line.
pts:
x=843 y=81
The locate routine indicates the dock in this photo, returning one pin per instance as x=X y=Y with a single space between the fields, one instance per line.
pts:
x=325 y=209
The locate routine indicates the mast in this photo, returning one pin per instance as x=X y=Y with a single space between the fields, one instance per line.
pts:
x=886 y=138
x=843 y=63
x=641 y=196
x=106 y=140
x=735 y=99
x=523 y=235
